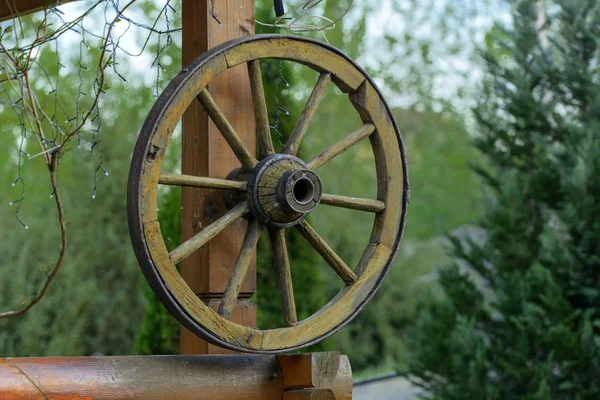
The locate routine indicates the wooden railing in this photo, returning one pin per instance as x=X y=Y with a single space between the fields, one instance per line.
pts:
x=325 y=376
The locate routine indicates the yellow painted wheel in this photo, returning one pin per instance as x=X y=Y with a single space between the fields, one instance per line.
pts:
x=273 y=191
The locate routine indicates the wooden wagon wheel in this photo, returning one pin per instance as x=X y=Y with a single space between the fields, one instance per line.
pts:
x=274 y=191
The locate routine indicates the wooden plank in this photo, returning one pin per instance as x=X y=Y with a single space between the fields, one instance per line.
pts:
x=227 y=130
x=206 y=153
x=16 y=8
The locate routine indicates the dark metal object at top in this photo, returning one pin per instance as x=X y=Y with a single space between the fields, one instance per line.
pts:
x=279 y=9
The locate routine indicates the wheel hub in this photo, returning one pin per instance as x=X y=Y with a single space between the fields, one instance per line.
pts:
x=282 y=191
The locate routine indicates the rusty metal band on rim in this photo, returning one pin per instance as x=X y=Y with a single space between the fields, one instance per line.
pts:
x=392 y=189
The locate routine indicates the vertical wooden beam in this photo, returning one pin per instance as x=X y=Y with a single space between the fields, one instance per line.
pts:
x=205 y=153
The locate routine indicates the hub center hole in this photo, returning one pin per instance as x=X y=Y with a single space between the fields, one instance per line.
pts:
x=304 y=190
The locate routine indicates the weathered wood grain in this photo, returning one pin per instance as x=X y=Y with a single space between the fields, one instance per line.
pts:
x=237 y=145
x=284 y=276
x=353 y=203
x=200 y=182
x=312 y=104
x=389 y=165
x=202 y=237
x=261 y=113
x=311 y=372
x=240 y=269
x=142 y=377
x=339 y=308
x=317 y=242
x=206 y=153
x=309 y=394
x=206 y=377
x=189 y=301
x=345 y=75
x=341 y=146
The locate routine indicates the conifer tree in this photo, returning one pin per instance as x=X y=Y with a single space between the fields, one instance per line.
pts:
x=520 y=318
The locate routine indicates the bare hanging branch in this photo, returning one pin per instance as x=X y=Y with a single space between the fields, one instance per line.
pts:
x=20 y=45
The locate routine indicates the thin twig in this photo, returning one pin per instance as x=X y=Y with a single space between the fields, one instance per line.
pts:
x=63 y=248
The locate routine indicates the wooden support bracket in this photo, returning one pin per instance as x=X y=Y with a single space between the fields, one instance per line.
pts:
x=321 y=376
x=206 y=153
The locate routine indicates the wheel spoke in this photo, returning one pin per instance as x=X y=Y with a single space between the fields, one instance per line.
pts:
x=307 y=114
x=284 y=276
x=200 y=182
x=233 y=139
x=341 y=146
x=240 y=269
x=354 y=203
x=263 y=130
x=201 y=238
x=317 y=242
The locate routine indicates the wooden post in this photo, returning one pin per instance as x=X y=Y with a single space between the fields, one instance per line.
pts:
x=205 y=153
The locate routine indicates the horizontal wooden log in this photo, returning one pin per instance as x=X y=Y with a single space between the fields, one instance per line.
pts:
x=150 y=377
x=206 y=377
x=15 y=8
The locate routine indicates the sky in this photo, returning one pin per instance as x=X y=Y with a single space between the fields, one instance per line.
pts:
x=453 y=71
x=452 y=62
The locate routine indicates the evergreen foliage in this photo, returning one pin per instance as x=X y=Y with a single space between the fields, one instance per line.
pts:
x=521 y=314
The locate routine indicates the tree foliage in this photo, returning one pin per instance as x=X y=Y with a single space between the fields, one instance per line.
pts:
x=521 y=313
